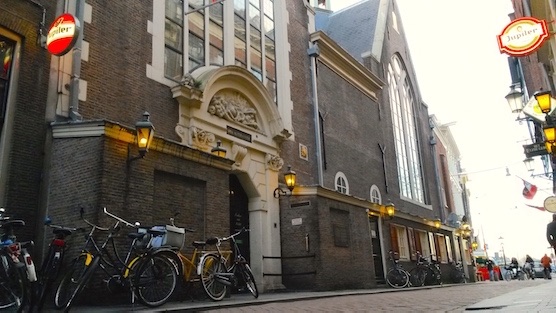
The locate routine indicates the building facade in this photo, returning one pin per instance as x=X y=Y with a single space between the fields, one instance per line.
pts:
x=274 y=83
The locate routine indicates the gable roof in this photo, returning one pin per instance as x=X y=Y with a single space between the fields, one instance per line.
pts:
x=355 y=27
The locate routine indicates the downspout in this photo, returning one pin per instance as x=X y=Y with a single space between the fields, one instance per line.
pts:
x=313 y=53
x=436 y=171
x=76 y=65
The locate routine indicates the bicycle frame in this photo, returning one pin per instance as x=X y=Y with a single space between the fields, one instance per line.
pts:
x=227 y=278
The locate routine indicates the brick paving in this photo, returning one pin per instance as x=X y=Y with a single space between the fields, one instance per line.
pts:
x=515 y=296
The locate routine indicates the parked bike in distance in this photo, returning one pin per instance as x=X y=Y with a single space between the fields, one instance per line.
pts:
x=457 y=274
x=418 y=274
x=396 y=276
x=217 y=274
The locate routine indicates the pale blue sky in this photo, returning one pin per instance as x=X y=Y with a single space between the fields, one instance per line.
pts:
x=464 y=78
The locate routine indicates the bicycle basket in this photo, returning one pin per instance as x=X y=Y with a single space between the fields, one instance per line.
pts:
x=174 y=237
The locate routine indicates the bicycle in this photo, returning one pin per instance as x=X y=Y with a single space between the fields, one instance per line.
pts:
x=457 y=274
x=52 y=264
x=17 y=273
x=396 y=276
x=146 y=272
x=217 y=274
x=434 y=274
x=418 y=274
x=188 y=264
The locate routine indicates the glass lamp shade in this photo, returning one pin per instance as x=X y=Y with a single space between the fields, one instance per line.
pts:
x=529 y=163
x=145 y=133
x=549 y=134
x=218 y=150
x=390 y=209
x=437 y=223
x=543 y=99
x=290 y=178
x=515 y=101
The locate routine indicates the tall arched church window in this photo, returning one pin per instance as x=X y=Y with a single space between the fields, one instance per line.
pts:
x=408 y=158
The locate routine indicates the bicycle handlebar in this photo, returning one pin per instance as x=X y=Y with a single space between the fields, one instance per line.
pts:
x=120 y=219
x=234 y=235
x=82 y=211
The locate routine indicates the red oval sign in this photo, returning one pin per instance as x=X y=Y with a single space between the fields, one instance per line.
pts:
x=63 y=34
x=522 y=36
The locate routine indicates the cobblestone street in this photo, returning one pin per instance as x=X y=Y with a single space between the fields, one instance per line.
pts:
x=443 y=299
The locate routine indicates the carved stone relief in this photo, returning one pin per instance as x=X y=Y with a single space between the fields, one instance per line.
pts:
x=234 y=108
x=274 y=162
x=201 y=139
x=238 y=153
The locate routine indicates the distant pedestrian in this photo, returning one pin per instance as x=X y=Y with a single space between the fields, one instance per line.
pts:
x=551 y=232
x=490 y=267
x=546 y=261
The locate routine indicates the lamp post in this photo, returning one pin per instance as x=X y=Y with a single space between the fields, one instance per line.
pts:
x=544 y=101
x=503 y=252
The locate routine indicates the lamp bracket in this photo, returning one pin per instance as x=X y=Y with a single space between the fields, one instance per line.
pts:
x=131 y=158
x=279 y=192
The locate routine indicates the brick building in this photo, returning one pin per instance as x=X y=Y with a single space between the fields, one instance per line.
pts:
x=274 y=83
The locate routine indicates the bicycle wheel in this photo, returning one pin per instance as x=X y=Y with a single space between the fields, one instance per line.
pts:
x=13 y=293
x=210 y=267
x=397 y=278
x=417 y=277
x=75 y=279
x=48 y=274
x=507 y=275
x=249 y=279
x=155 y=280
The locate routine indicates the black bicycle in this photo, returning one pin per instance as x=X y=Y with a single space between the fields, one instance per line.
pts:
x=217 y=274
x=396 y=276
x=52 y=264
x=418 y=274
x=17 y=270
x=457 y=274
x=145 y=271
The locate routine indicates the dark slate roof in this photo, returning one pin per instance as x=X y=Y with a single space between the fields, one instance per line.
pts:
x=353 y=28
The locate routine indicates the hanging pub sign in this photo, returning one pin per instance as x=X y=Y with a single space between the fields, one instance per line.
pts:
x=522 y=36
x=62 y=34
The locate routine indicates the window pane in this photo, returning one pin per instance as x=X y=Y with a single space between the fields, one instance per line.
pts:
x=196 y=48
x=269 y=28
x=271 y=87
x=269 y=8
x=173 y=34
x=254 y=3
x=240 y=51
x=255 y=38
x=216 y=56
x=254 y=17
x=215 y=13
x=239 y=27
x=239 y=7
x=196 y=3
x=270 y=63
x=173 y=64
x=197 y=24
x=174 y=10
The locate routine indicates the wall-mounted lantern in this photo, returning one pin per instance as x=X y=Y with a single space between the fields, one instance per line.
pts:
x=437 y=223
x=219 y=150
x=289 y=177
x=144 y=136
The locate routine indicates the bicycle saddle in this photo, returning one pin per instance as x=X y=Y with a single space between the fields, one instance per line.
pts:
x=11 y=223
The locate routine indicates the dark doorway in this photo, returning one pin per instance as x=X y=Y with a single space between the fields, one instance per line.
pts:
x=377 y=255
x=239 y=214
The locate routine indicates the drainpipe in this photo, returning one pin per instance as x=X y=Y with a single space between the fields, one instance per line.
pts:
x=436 y=171
x=76 y=65
x=314 y=52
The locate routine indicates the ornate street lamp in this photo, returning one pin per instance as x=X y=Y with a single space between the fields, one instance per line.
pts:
x=515 y=100
x=289 y=177
x=144 y=136
x=437 y=223
x=218 y=150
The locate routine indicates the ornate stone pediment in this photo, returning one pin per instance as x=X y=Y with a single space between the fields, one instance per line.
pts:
x=234 y=107
x=274 y=162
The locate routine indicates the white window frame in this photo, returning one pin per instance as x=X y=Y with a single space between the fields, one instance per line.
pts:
x=155 y=68
x=341 y=188
x=408 y=156
x=374 y=194
x=424 y=240
x=403 y=243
